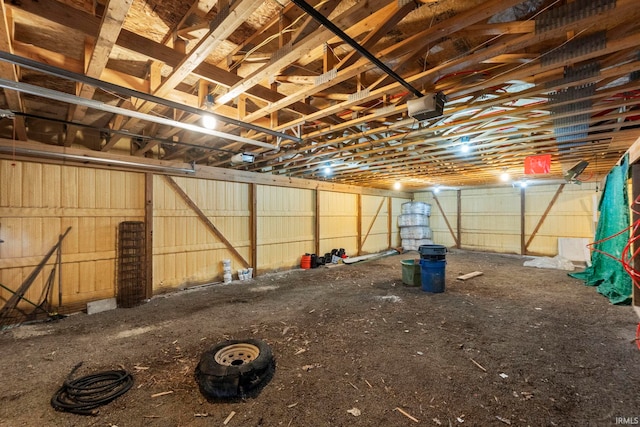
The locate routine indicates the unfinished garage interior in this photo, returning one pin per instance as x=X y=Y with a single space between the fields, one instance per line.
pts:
x=168 y=169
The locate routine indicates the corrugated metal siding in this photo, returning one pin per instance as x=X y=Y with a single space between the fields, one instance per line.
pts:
x=185 y=251
x=338 y=222
x=449 y=203
x=396 y=211
x=491 y=217
x=570 y=216
x=286 y=226
x=378 y=238
x=38 y=202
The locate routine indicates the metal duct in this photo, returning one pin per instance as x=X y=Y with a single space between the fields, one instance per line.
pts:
x=571 y=12
x=574 y=48
x=101 y=106
x=69 y=75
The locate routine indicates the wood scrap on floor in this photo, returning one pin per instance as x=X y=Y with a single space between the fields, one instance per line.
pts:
x=470 y=275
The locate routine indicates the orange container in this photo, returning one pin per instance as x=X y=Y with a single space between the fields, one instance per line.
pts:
x=305 y=262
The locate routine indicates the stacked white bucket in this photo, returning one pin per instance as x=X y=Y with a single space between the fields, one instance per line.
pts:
x=226 y=270
x=414 y=225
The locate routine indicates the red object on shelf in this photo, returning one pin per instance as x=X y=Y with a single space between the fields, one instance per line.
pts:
x=534 y=165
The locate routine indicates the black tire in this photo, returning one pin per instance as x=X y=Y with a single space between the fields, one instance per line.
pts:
x=235 y=369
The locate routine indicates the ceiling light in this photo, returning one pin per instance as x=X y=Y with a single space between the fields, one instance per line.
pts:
x=397 y=186
x=504 y=176
x=464 y=148
x=327 y=170
x=208 y=121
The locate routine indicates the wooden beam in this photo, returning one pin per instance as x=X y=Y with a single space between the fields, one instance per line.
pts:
x=543 y=217
x=8 y=71
x=148 y=229
x=446 y=220
x=207 y=222
x=98 y=55
x=56 y=155
x=357 y=12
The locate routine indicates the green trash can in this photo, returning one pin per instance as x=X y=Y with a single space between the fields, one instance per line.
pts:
x=411 y=272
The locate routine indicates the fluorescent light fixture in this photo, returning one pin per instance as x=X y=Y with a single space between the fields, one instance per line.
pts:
x=397 y=186
x=208 y=121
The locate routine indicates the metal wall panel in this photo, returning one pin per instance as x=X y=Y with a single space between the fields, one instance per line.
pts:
x=185 y=251
x=286 y=226
x=38 y=202
x=490 y=217
x=396 y=211
x=338 y=222
x=572 y=215
x=448 y=201
x=375 y=211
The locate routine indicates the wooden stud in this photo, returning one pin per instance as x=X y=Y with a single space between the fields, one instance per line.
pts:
x=316 y=235
x=359 y=231
x=148 y=227
x=389 y=221
x=523 y=248
x=253 y=224
x=459 y=219
x=635 y=188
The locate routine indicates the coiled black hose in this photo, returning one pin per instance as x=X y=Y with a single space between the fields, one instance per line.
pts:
x=85 y=394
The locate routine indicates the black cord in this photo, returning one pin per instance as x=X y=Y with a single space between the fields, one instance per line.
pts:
x=85 y=394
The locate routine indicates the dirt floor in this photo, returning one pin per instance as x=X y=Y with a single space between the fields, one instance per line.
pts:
x=516 y=346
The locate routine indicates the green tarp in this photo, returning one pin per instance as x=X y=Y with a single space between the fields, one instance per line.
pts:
x=606 y=273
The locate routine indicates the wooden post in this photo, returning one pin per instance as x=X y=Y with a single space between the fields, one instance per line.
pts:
x=148 y=238
x=316 y=236
x=389 y=221
x=359 y=236
x=459 y=219
x=253 y=224
x=635 y=185
x=523 y=248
